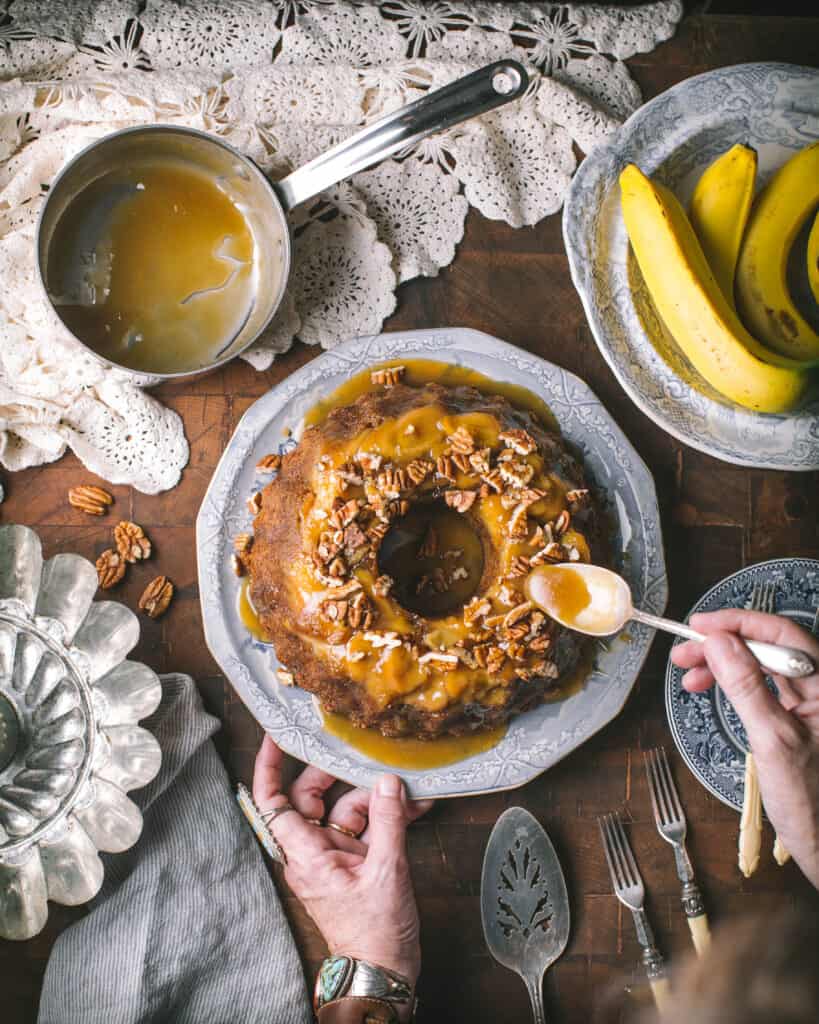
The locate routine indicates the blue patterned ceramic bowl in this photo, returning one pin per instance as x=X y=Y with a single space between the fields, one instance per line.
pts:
x=775 y=109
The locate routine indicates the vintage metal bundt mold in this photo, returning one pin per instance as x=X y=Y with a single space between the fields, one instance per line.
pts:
x=70 y=746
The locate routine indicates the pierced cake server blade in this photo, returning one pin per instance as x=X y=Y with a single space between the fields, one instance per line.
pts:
x=524 y=902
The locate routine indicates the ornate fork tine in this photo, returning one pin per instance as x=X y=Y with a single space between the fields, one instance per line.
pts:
x=671 y=824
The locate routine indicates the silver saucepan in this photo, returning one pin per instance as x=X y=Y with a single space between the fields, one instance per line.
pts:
x=264 y=205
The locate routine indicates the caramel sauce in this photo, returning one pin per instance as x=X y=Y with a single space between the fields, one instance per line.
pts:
x=411 y=754
x=247 y=613
x=562 y=591
x=153 y=268
x=574 y=681
x=426 y=371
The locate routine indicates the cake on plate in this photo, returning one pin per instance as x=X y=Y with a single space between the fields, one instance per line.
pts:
x=389 y=555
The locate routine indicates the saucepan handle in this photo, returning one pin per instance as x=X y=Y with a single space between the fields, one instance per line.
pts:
x=482 y=90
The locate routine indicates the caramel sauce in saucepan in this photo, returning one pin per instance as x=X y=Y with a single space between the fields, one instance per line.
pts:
x=153 y=267
x=410 y=753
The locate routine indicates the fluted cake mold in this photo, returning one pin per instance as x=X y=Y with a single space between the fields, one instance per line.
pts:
x=70 y=744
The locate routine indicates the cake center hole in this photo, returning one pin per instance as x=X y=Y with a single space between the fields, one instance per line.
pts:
x=435 y=557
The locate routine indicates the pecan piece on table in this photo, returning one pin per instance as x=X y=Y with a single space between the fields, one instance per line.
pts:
x=131 y=542
x=156 y=597
x=90 y=499
x=110 y=568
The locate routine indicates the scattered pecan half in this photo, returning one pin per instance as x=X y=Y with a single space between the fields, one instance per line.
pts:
x=131 y=542
x=269 y=463
x=110 y=568
x=156 y=597
x=90 y=499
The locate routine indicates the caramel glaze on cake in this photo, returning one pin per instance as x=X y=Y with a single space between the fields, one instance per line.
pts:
x=448 y=644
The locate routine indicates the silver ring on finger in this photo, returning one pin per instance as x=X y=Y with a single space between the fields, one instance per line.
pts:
x=259 y=824
x=344 y=831
x=268 y=817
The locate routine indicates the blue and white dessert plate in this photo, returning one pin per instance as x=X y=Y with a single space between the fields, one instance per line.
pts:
x=535 y=740
x=673 y=137
x=705 y=726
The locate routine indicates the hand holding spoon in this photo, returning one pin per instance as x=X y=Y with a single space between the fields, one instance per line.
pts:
x=596 y=601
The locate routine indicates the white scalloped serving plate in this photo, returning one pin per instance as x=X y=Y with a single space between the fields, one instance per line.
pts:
x=775 y=109
x=535 y=740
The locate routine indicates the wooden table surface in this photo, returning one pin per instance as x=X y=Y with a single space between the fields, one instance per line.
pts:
x=717 y=518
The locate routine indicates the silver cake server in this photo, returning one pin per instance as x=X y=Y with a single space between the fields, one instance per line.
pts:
x=524 y=902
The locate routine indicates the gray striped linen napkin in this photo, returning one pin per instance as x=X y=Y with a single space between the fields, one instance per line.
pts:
x=188 y=927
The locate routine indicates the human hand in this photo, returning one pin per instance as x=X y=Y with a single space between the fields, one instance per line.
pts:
x=783 y=734
x=358 y=891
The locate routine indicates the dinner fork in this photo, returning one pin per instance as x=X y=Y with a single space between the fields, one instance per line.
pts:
x=671 y=824
x=628 y=888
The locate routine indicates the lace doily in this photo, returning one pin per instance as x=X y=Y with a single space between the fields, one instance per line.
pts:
x=282 y=80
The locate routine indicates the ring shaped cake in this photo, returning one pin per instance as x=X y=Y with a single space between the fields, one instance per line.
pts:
x=389 y=555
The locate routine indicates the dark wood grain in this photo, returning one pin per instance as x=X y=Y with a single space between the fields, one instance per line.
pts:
x=717 y=518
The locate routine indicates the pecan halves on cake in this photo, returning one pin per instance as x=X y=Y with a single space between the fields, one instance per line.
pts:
x=461 y=501
x=90 y=499
x=520 y=566
x=269 y=463
x=444 y=467
x=131 y=542
x=156 y=597
x=418 y=470
x=461 y=441
x=578 y=499
x=110 y=568
x=242 y=543
x=388 y=376
x=519 y=441
x=561 y=524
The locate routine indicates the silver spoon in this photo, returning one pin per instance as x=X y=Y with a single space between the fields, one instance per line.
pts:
x=596 y=601
x=524 y=902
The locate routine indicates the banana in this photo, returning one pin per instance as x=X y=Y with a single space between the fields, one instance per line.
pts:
x=694 y=309
x=763 y=298
x=719 y=211
x=813 y=258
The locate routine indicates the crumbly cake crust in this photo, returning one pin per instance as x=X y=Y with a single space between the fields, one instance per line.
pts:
x=322 y=599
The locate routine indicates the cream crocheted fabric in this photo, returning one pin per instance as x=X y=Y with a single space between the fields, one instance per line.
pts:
x=282 y=81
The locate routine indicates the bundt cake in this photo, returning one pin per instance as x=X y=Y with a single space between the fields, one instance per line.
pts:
x=389 y=553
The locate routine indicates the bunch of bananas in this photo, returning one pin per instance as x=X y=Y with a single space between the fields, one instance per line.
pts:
x=718 y=275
